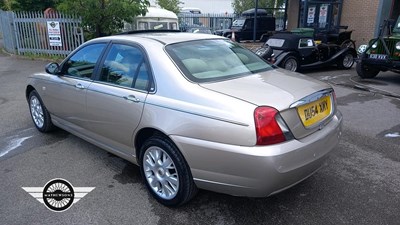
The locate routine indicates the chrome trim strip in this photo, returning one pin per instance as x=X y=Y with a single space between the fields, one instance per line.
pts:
x=313 y=97
x=220 y=183
x=109 y=94
x=202 y=115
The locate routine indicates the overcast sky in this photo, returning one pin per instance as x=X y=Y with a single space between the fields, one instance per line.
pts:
x=208 y=6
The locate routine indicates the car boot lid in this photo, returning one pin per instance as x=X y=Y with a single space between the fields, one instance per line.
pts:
x=276 y=88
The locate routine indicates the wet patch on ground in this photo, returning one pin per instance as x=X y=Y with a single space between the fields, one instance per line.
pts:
x=369 y=81
x=396 y=102
x=3 y=100
x=27 y=139
x=130 y=174
x=357 y=97
x=392 y=133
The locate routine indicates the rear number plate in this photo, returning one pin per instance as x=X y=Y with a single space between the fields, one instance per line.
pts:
x=315 y=112
x=378 y=56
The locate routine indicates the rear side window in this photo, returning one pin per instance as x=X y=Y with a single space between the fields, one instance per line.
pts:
x=215 y=60
x=81 y=64
x=125 y=66
x=274 y=42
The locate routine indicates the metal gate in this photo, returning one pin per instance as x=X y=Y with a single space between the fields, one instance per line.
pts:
x=38 y=33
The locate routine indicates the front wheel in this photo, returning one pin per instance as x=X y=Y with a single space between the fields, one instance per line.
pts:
x=365 y=71
x=346 y=61
x=165 y=171
x=291 y=63
x=40 y=116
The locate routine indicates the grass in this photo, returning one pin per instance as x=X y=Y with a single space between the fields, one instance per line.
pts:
x=46 y=57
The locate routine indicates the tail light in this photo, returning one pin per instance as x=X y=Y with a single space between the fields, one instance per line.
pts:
x=270 y=127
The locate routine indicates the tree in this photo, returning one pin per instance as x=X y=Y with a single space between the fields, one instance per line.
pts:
x=3 y=5
x=31 y=5
x=105 y=17
x=241 y=5
x=171 y=5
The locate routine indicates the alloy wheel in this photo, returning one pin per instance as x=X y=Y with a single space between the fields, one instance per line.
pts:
x=37 y=111
x=160 y=173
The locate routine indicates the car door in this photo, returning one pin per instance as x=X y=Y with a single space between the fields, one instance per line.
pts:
x=66 y=94
x=115 y=100
x=308 y=51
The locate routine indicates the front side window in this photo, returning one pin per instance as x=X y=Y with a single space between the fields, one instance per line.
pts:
x=238 y=23
x=82 y=63
x=306 y=43
x=125 y=66
x=215 y=60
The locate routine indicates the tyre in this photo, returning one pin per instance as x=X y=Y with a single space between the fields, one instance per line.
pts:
x=166 y=173
x=290 y=63
x=365 y=71
x=348 y=44
x=346 y=61
x=39 y=114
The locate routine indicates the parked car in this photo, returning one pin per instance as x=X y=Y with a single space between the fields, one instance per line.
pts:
x=382 y=53
x=192 y=111
x=243 y=27
x=294 y=52
x=202 y=30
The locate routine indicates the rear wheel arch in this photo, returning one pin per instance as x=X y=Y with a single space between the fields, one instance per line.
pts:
x=146 y=133
x=141 y=137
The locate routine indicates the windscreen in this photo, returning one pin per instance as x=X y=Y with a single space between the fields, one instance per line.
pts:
x=238 y=23
x=215 y=60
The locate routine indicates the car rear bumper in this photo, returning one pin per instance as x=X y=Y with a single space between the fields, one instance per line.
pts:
x=258 y=171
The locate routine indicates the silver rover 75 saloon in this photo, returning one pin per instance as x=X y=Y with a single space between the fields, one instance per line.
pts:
x=192 y=111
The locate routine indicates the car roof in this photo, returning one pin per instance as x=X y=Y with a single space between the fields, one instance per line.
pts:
x=162 y=37
x=291 y=40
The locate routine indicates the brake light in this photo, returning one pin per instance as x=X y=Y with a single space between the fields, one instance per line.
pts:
x=269 y=126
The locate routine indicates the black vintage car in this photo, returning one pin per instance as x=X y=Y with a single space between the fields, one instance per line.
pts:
x=294 y=52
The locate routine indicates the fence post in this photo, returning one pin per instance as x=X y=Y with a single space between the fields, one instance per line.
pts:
x=8 y=32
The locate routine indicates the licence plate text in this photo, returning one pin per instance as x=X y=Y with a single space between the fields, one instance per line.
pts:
x=378 y=56
x=314 y=112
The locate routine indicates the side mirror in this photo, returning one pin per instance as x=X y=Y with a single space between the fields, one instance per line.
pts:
x=53 y=68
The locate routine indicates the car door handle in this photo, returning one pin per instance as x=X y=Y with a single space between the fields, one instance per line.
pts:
x=131 y=98
x=80 y=86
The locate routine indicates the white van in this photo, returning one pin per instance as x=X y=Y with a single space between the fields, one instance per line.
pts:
x=155 y=19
